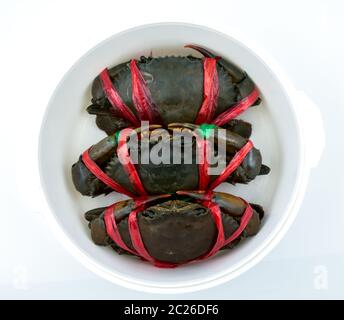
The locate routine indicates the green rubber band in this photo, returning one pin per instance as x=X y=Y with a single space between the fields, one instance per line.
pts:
x=205 y=129
x=117 y=134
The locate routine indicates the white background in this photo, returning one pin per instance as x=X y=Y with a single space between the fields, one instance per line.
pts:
x=40 y=40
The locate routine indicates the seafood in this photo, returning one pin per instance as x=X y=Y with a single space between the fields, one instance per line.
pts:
x=100 y=169
x=171 y=89
x=166 y=119
x=169 y=230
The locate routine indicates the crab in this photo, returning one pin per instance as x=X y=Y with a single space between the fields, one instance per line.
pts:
x=171 y=89
x=101 y=169
x=169 y=230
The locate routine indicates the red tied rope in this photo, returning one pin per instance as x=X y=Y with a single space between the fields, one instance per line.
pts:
x=116 y=101
x=243 y=223
x=216 y=213
x=102 y=176
x=137 y=241
x=237 y=109
x=142 y=98
x=203 y=146
x=129 y=167
x=136 y=238
x=210 y=91
x=112 y=229
x=233 y=165
x=147 y=109
x=221 y=241
x=134 y=232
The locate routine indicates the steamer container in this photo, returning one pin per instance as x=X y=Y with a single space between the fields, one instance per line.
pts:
x=286 y=126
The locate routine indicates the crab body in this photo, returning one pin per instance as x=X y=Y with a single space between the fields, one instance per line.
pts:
x=176 y=230
x=176 y=87
x=160 y=178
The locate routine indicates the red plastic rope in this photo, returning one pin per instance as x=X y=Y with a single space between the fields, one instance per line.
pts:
x=203 y=165
x=134 y=232
x=233 y=165
x=142 y=98
x=237 y=109
x=137 y=241
x=203 y=146
x=136 y=238
x=115 y=99
x=112 y=229
x=102 y=176
x=210 y=91
x=216 y=213
x=243 y=223
x=147 y=109
x=128 y=166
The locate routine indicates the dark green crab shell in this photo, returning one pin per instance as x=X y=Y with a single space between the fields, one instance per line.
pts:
x=163 y=178
x=176 y=85
x=175 y=230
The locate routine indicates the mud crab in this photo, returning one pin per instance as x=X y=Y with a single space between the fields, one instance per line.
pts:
x=171 y=230
x=100 y=169
x=171 y=89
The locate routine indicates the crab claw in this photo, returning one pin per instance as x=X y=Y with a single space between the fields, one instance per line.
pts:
x=103 y=147
x=236 y=207
x=190 y=126
x=252 y=163
x=230 y=138
x=237 y=74
x=232 y=205
x=94 y=214
x=139 y=201
x=121 y=209
x=264 y=170
x=204 y=130
x=183 y=127
x=97 y=226
x=240 y=127
x=128 y=206
x=198 y=195
x=106 y=145
x=245 y=84
x=144 y=131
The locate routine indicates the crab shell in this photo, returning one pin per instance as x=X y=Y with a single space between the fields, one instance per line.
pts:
x=176 y=230
x=176 y=87
x=161 y=178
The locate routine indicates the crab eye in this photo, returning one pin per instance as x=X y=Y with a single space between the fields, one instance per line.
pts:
x=148 y=214
x=200 y=211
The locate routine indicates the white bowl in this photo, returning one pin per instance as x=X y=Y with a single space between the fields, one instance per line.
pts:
x=67 y=130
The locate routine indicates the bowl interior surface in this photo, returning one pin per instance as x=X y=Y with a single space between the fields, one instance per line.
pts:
x=68 y=130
